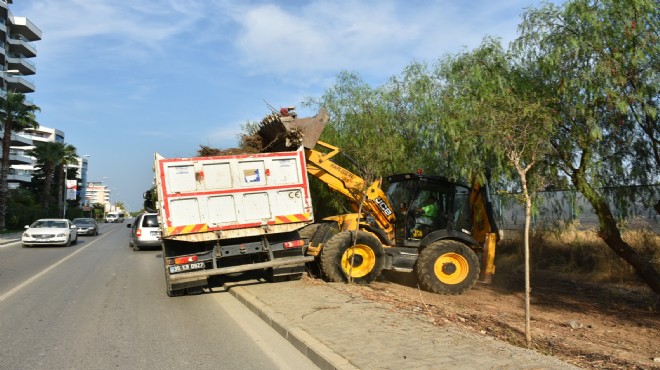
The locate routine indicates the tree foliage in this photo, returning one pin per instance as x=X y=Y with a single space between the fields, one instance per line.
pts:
x=602 y=59
x=15 y=116
x=51 y=157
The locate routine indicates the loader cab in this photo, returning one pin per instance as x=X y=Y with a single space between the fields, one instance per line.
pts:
x=424 y=204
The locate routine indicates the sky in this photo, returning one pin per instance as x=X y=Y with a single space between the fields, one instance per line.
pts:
x=126 y=79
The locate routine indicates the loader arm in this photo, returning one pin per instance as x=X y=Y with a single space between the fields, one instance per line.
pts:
x=283 y=130
x=351 y=186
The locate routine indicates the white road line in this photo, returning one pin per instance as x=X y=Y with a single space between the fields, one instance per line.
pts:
x=44 y=271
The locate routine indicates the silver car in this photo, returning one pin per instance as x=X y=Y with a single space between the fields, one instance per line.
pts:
x=144 y=232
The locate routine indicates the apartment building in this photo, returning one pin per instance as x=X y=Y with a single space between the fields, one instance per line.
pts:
x=97 y=192
x=17 y=35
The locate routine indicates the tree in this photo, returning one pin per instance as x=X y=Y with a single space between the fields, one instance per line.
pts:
x=602 y=59
x=50 y=158
x=506 y=114
x=15 y=116
x=68 y=156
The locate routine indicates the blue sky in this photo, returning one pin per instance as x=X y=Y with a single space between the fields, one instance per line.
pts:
x=126 y=79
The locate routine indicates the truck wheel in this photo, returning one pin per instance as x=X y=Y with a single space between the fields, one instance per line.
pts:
x=308 y=231
x=367 y=257
x=168 y=287
x=447 y=267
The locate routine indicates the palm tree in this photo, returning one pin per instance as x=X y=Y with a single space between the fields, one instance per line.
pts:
x=51 y=158
x=69 y=156
x=15 y=115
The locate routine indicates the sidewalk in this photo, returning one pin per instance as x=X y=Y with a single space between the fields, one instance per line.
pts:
x=339 y=331
x=10 y=237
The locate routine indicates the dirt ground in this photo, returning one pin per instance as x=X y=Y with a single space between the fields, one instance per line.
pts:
x=590 y=326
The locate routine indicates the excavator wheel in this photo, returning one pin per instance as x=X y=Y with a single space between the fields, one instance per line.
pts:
x=362 y=263
x=447 y=267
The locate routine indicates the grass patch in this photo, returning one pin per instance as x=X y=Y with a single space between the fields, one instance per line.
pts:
x=578 y=252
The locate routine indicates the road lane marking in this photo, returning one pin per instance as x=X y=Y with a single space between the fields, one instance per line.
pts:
x=44 y=271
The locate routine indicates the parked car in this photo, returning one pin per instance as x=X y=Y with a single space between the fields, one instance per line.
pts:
x=86 y=226
x=55 y=231
x=144 y=232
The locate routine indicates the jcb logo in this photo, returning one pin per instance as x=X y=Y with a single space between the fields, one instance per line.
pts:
x=383 y=206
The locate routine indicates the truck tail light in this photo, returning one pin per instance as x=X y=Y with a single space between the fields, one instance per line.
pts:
x=185 y=259
x=294 y=244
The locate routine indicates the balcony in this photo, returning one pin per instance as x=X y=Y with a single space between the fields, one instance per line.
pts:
x=19 y=84
x=23 y=26
x=20 y=140
x=18 y=45
x=19 y=175
x=18 y=158
x=23 y=65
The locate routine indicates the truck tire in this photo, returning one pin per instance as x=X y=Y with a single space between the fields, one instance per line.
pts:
x=338 y=252
x=168 y=287
x=308 y=231
x=447 y=267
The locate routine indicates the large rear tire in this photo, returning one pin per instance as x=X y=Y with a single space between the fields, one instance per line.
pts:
x=447 y=267
x=361 y=264
x=168 y=286
x=308 y=231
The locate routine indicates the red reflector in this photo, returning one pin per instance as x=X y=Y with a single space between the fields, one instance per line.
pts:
x=294 y=244
x=185 y=259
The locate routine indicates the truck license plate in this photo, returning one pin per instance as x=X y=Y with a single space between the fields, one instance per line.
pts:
x=190 y=266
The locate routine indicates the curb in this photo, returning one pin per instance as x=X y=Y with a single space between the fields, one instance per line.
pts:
x=320 y=354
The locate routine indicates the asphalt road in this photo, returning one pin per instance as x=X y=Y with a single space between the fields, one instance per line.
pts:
x=100 y=305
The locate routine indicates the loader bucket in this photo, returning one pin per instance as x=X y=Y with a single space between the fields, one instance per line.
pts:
x=279 y=132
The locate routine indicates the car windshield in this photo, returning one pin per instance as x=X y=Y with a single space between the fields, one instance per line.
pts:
x=49 y=224
x=83 y=222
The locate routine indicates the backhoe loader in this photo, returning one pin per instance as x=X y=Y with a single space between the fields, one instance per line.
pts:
x=413 y=222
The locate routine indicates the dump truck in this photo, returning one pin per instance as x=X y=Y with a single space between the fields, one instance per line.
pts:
x=442 y=231
x=230 y=214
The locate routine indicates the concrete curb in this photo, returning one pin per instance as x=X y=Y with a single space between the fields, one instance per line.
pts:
x=320 y=354
x=10 y=238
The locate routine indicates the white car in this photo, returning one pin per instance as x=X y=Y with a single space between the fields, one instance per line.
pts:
x=50 y=231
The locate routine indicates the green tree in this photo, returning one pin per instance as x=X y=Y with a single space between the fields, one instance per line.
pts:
x=68 y=155
x=602 y=59
x=505 y=116
x=15 y=116
x=51 y=158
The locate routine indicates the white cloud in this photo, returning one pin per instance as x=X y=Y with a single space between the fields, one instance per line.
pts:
x=376 y=36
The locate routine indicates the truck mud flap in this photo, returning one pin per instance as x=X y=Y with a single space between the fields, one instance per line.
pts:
x=279 y=263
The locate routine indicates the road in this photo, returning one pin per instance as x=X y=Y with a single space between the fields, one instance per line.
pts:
x=100 y=305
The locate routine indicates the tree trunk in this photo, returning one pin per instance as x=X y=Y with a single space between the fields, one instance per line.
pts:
x=4 y=173
x=611 y=235
x=61 y=179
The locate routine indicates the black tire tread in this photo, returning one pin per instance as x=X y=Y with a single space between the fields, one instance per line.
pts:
x=335 y=248
x=426 y=275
